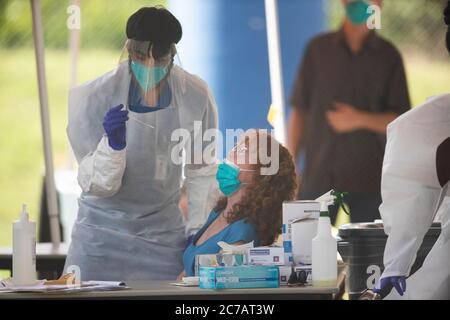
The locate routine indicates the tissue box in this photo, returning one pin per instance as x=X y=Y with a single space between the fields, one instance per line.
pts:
x=219 y=260
x=266 y=256
x=239 y=277
x=293 y=210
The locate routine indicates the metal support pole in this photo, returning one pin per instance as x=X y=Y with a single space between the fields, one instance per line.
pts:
x=275 y=67
x=52 y=203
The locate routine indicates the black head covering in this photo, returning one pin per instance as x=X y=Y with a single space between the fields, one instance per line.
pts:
x=154 y=24
x=447 y=21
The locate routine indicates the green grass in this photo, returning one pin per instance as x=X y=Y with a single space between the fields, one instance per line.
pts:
x=21 y=157
x=426 y=77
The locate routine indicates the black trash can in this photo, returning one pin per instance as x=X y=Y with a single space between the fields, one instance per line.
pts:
x=361 y=246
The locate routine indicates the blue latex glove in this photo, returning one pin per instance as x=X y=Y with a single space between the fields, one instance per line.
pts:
x=114 y=125
x=398 y=282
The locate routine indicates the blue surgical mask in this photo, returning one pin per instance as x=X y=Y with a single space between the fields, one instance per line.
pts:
x=357 y=11
x=228 y=177
x=148 y=77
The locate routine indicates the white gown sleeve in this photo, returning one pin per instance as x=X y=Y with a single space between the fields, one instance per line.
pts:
x=201 y=185
x=100 y=172
x=203 y=193
x=409 y=200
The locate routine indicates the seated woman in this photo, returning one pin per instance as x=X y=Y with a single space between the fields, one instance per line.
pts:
x=252 y=207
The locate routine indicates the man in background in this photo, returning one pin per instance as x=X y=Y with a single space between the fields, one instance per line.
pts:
x=350 y=85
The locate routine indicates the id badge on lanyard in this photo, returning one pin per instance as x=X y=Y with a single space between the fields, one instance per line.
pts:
x=161 y=167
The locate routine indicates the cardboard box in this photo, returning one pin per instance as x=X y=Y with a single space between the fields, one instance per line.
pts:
x=293 y=210
x=266 y=256
x=239 y=277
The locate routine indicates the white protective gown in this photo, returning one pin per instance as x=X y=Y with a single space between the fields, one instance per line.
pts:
x=129 y=226
x=411 y=193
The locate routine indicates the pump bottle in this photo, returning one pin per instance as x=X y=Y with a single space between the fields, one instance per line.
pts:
x=24 y=250
x=324 y=249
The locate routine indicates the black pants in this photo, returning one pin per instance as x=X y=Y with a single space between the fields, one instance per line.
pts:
x=363 y=206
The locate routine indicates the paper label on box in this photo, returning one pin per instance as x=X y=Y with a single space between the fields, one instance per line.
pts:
x=266 y=255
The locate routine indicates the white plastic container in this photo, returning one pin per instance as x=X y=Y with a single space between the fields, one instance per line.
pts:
x=324 y=251
x=24 y=250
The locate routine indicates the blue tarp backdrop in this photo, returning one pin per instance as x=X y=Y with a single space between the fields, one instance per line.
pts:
x=225 y=43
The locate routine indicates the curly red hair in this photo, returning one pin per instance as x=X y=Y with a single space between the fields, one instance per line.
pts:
x=261 y=204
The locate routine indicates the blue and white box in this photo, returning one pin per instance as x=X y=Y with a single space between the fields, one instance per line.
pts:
x=285 y=273
x=266 y=256
x=239 y=277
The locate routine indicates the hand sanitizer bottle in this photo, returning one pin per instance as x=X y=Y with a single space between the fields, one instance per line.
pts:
x=324 y=250
x=24 y=250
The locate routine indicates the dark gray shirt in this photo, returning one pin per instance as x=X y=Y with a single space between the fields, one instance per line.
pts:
x=372 y=80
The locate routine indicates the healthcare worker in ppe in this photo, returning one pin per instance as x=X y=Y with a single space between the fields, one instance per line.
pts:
x=129 y=225
x=415 y=180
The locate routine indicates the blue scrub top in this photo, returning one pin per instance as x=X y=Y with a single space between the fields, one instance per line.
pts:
x=235 y=232
x=135 y=99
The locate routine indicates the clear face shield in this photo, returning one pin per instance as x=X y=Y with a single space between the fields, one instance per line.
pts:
x=150 y=66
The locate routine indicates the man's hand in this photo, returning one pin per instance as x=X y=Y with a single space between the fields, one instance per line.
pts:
x=345 y=118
